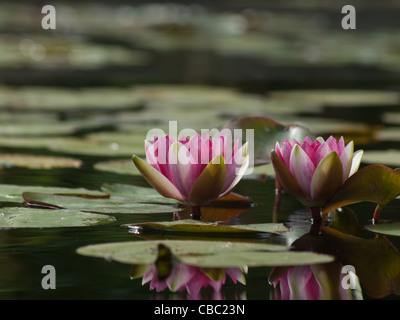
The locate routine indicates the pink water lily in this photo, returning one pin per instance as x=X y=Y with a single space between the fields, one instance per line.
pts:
x=314 y=170
x=194 y=171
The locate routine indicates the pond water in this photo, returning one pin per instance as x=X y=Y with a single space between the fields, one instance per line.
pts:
x=76 y=104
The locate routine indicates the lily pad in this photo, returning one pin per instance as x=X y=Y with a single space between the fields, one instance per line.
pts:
x=13 y=193
x=94 y=204
x=205 y=253
x=52 y=99
x=193 y=226
x=266 y=133
x=20 y=217
x=122 y=166
x=374 y=183
x=37 y=161
x=135 y=193
x=386 y=157
x=389 y=229
x=341 y=98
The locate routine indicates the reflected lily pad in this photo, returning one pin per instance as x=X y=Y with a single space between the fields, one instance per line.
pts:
x=20 y=217
x=389 y=229
x=204 y=253
x=376 y=261
x=37 y=161
x=192 y=226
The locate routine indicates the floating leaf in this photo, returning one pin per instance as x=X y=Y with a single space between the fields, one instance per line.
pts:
x=20 y=217
x=135 y=193
x=37 y=162
x=205 y=254
x=192 y=226
x=13 y=193
x=94 y=204
x=266 y=133
x=117 y=166
x=384 y=157
x=341 y=98
x=374 y=183
x=389 y=229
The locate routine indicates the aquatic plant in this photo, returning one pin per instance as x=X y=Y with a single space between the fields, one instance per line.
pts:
x=194 y=170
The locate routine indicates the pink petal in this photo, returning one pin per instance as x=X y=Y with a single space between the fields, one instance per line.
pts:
x=161 y=153
x=302 y=168
x=286 y=151
x=180 y=169
x=157 y=180
x=209 y=184
x=321 y=153
x=346 y=158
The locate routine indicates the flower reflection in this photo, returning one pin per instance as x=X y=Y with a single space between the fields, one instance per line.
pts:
x=192 y=279
x=328 y=281
x=168 y=272
x=310 y=282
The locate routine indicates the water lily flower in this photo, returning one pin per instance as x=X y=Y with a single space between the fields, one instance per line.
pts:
x=194 y=170
x=313 y=171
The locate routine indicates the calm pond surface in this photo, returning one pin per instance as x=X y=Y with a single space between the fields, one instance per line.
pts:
x=76 y=104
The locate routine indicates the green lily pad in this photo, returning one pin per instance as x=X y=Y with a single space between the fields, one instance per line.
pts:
x=374 y=183
x=135 y=193
x=204 y=253
x=37 y=161
x=266 y=133
x=122 y=166
x=52 y=99
x=13 y=193
x=96 y=147
x=341 y=98
x=102 y=204
x=386 y=157
x=389 y=229
x=20 y=217
x=193 y=226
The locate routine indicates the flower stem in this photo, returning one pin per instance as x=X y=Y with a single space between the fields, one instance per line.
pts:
x=377 y=212
x=316 y=220
x=277 y=202
x=316 y=214
x=195 y=212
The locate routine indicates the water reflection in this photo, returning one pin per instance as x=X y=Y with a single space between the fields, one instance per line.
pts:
x=365 y=264
x=329 y=281
x=169 y=274
x=373 y=259
x=310 y=282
